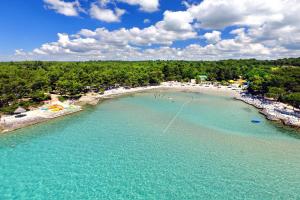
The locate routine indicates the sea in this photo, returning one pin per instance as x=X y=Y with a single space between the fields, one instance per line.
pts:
x=159 y=144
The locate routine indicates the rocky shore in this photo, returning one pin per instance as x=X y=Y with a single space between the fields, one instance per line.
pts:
x=273 y=110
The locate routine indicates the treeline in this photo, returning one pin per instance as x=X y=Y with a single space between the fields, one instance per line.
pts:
x=28 y=83
x=280 y=83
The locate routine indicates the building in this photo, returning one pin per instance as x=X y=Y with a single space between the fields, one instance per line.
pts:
x=202 y=78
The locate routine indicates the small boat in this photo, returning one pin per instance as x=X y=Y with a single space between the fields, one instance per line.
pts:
x=255 y=121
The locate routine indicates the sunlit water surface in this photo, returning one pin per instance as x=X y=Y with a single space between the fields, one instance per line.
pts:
x=154 y=145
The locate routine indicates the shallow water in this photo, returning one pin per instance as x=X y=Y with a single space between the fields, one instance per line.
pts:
x=154 y=145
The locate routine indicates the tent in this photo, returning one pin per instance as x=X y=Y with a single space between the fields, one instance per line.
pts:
x=19 y=110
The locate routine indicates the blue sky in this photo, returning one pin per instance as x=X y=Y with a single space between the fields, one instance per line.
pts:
x=148 y=29
x=28 y=24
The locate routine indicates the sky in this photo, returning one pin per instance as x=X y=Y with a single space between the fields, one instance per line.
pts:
x=75 y=30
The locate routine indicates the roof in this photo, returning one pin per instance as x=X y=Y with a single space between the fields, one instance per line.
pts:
x=19 y=110
x=203 y=77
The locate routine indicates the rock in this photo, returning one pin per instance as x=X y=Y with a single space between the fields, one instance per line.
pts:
x=268 y=115
x=89 y=99
x=287 y=122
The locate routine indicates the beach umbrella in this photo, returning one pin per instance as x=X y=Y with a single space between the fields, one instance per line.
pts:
x=19 y=110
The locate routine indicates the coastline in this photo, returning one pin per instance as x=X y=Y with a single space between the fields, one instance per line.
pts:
x=34 y=121
x=273 y=110
x=10 y=123
x=92 y=98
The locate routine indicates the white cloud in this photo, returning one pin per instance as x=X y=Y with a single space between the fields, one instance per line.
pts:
x=213 y=37
x=88 y=40
x=106 y=15
x=177 y=21
x=128 y=44
x=103 y=3
x=145 y=5
x=265 y=30
x=186 y=4
x=65 y=8
x=217 y=14
x=147 y=21
x=20 y=52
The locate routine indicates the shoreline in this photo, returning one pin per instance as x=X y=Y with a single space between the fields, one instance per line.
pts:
x=36 y=121
x=93 y=98
x=10 y=123
x=273 y=110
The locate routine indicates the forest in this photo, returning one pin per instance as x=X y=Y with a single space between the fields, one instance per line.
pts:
x=28 y=83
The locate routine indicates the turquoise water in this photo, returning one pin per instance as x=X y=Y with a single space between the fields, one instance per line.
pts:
x=193 y=146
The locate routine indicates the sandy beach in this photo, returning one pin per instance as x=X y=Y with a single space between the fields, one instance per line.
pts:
x=205 y=88
x=44 y=113
x=273 y=111
x=94 y=98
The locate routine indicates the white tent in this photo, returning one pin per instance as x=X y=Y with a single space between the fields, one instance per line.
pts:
x=19 y=110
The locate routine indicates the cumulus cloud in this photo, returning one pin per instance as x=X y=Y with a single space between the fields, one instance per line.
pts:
x=218 y=14
x=20 y=52
x=106 y=15
x=104 y=2
x=177 y=21
x=274 y=24
x=129 y=44
x=145 y=5
x=65 y=8
x=213 y=37
x=262 y=30
x=103 y=39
